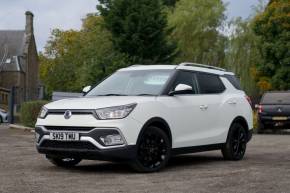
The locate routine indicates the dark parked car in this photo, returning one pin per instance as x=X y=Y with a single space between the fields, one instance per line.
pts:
x=274 y=111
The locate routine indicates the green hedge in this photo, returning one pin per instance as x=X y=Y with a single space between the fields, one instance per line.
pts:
x=29 y=112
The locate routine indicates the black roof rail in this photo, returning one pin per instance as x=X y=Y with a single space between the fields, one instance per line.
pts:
x=202 y=66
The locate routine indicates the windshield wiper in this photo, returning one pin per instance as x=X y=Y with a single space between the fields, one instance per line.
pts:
x=113 y=95
x=145 y=95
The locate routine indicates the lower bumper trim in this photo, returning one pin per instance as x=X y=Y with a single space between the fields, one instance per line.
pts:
x=114 y=154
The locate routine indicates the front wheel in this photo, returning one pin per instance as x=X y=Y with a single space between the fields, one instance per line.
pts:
x=64 y=162
x=153 y=150
x=235 y=147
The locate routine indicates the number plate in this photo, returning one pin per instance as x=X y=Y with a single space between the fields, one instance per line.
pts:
x=279 y=118
x=64 y=136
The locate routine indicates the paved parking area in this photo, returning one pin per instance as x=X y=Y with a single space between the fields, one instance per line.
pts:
x=266 y=168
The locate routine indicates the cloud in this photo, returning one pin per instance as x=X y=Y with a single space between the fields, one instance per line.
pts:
x=241 y=8
x=48 y=14
x=67 y=14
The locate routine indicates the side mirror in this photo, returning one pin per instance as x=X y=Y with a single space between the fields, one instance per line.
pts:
x=181 y=89
x=86 y=89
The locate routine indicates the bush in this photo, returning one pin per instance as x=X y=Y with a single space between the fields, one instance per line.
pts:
x=255 y=120
x=29 y=112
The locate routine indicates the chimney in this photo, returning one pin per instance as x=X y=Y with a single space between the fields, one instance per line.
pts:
x=29 y=23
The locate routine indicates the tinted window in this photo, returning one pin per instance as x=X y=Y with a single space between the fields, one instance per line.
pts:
x=276 y=98
x=186 y=78
x=209 y=83
x=234 y=81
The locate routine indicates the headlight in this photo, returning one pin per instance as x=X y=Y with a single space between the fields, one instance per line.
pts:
x=3 y=111
x=43 y=113
x=118 y=112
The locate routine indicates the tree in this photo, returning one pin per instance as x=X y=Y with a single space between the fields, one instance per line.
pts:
x=273 y=27
x=242 y=55
x=196 y=26
x=73 y=59
x=60 y=61
x=138 y=29
x=99 y=58
x=170 y=3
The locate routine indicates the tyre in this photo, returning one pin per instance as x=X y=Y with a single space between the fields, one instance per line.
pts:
x=235 y=147
x=64 y=162
x=1 y=120
x=261 y=128
x=153 y=150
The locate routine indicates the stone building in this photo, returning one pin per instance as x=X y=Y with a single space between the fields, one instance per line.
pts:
x=19 y=62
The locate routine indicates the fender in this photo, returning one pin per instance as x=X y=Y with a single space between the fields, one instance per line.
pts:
x=157 y=121
x=242 y=121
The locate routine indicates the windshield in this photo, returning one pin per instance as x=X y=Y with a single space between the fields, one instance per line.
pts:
x=276 y=98
x=133 y=82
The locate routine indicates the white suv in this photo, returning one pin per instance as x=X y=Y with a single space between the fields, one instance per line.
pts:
x=144 y=114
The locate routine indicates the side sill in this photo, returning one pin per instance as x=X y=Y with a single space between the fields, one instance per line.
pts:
x=195 y=149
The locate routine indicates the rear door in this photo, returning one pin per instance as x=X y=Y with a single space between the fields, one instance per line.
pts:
x=211 y=90
x=194 y=117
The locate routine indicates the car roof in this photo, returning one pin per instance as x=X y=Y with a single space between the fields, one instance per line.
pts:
x=149 y=67
x=182 y=66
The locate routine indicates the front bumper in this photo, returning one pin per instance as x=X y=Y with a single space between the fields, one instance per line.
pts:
x=4 y=118
x=269 y=121
x=89 y=146
x=126 y=153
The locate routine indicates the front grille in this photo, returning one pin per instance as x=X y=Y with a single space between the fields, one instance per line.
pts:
x=80 y=145
x=74 y=112
x=66 y=128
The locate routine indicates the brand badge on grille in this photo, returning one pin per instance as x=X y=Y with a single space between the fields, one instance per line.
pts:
x=67 y=114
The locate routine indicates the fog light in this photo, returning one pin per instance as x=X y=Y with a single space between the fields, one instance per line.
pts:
x=110 y=140
x=37 y=137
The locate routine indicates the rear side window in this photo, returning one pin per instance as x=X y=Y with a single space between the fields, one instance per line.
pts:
x=234 y=81
x=209 y=83
x=276 y=98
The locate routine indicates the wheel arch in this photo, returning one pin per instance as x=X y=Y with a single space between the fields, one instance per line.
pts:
x=241 y=120
x=158 y=122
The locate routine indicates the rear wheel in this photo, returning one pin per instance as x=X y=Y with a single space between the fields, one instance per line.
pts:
x=236 y=144
x=1 y=120
x=153 y=150
x=64 y=162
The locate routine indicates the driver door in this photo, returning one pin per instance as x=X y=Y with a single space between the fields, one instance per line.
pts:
x=187 y=115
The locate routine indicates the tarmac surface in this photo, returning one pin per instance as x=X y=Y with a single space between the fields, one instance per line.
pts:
x=265 y=169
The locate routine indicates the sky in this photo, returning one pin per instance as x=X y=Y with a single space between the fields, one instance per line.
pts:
x=67 y=14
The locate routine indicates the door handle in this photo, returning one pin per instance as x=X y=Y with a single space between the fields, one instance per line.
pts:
x=203 y=107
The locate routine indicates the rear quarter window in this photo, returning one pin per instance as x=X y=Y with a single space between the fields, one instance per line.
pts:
x=234 y=81
x=276 y=98
x=209 y=83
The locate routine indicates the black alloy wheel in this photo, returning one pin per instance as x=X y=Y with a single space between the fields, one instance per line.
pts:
x=236 y=144
x=153 y=150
